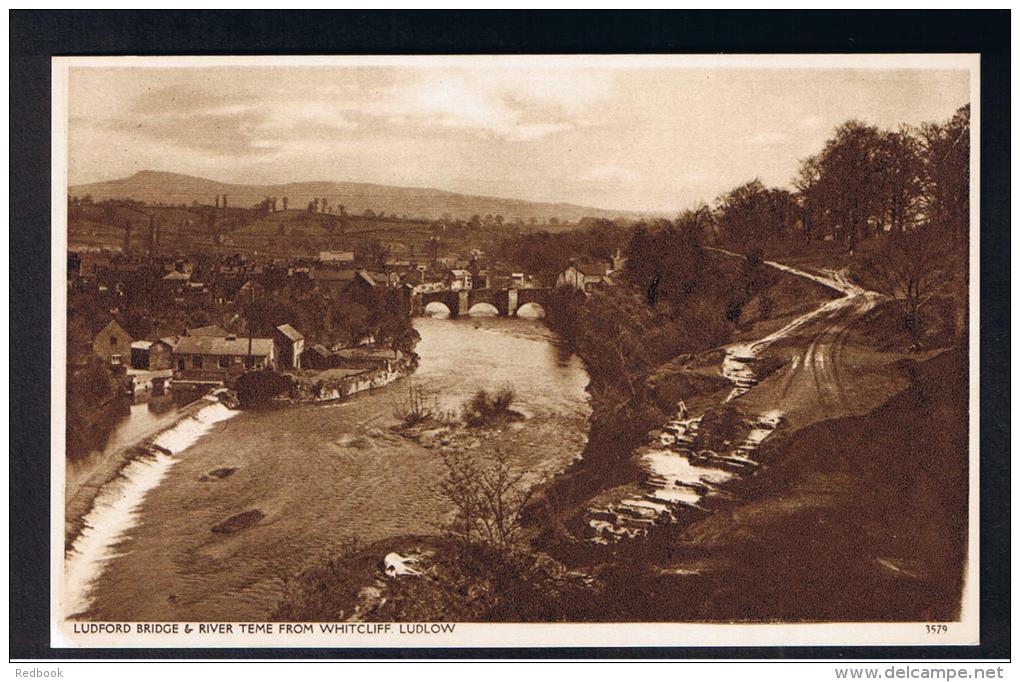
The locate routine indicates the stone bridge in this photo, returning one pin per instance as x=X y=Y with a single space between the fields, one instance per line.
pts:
x=507 y=302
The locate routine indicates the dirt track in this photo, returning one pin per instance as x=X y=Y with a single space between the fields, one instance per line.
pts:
x=823 y=374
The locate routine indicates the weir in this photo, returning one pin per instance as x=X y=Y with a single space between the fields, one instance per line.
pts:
x=114 y=509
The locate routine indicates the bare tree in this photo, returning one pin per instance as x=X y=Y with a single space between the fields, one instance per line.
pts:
x=913 y=267
x=489 y=500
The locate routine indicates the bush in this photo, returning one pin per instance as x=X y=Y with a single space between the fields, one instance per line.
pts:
x=261 y=386
x=419 y=406
x=484 y=408
x=488 y=500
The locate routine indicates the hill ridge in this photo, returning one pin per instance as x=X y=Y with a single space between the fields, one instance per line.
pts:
x=168 y=187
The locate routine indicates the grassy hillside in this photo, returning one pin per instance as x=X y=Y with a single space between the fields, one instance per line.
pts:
x=173 y=188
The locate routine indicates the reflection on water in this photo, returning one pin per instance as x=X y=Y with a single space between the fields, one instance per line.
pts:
x=324 y=474
x=144 y=420
x=460 y=356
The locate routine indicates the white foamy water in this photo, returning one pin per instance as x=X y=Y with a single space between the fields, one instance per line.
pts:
x=115 y=509
x=736 y=366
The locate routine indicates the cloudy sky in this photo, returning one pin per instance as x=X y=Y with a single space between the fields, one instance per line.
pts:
x=634 y=137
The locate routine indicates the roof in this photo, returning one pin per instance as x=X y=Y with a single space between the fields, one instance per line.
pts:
x=290 y=332
x=208 y=330
x=177 y=276
x=98 y=326
x=319 y=350
x=460 y=273
x=366 y=277
x=141 y=345
x=213 y=345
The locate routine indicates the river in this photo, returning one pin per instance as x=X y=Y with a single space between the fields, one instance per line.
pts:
x=322 y=475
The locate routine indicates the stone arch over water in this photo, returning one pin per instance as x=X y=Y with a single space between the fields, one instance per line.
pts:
x=531 y=311
x=437 y=309
x=483 y=310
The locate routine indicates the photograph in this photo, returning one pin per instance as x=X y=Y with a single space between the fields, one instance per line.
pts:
x=484 y=350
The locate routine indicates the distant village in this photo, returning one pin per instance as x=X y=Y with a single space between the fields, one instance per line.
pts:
x=220 y=286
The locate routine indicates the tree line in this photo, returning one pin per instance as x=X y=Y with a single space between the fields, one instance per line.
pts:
x=865 y=182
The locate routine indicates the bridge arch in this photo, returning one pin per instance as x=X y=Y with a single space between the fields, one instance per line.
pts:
x=436 y=309
x=483 y=309
x=531 y=311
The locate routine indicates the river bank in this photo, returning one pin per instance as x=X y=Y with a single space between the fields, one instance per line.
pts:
x=322 y=474
x=80 y=495
x=843 y=510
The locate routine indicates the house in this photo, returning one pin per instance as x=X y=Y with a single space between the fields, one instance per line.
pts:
x=216 y=357
x=317 y=357
x=584 y=276
x=290 y=344
x=113 y=344
x=334 y=281
x=152 y=355
x=459 y=279
x=249 y=292
x=337 y=257
x=175 y=281
x=161 y=355
x=140 y=354
x=364 y=281
x=93 y=263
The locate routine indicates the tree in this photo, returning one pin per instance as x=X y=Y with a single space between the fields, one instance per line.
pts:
x=912 y=267
x=851 y=181
x=946 y=174
x=432 y=246
x=127 y=236
x=375 y=255
x=900 y=167
x=489 y=500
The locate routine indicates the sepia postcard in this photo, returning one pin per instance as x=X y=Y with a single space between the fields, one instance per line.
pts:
x=515 y=351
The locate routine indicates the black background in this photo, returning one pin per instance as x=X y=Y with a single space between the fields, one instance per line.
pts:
x=36 y=36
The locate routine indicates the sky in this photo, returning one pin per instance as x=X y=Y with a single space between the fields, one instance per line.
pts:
x=622 y=136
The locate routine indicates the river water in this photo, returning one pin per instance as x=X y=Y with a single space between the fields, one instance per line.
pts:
x=322 y=475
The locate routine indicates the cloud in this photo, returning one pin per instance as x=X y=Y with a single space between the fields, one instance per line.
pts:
x=768 y=139
x=610 y=174
x=811 y=122
x=548 y=129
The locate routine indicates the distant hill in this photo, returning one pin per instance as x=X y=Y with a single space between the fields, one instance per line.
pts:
x=419 y=202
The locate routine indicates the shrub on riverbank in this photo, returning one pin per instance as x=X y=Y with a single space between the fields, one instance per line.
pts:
x=257 y=388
